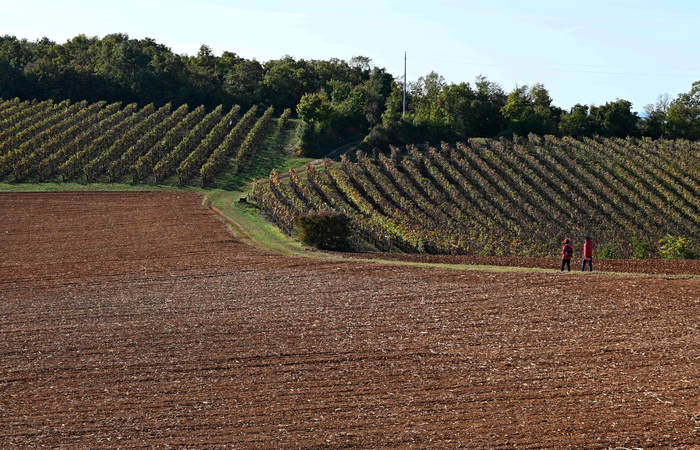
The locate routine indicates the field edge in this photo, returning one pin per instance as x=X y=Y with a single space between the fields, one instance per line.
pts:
x=245 y=222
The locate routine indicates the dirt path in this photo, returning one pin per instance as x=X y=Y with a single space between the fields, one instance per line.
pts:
x=136 y=319
x=649 y=266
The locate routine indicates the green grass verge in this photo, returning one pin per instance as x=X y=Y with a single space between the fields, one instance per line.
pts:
x=517 y=269
x=247 y=223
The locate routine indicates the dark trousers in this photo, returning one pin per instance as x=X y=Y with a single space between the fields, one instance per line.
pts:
x=568 y=264
x=590 y=264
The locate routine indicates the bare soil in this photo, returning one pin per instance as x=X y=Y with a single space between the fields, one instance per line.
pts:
x=135 y=319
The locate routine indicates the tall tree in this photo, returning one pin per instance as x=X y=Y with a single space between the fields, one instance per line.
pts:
x=654 y=123
x=616 y=118
x=683 y=116
x=425 y=93
x=529 y=110
x=286 y=80
x=577 y=122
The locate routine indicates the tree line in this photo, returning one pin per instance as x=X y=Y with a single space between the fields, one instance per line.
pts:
x=437 y=111
x=117 y=68
x=458 y=111
x=337 y=101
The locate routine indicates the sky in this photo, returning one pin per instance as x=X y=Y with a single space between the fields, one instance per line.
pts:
x=587 y=52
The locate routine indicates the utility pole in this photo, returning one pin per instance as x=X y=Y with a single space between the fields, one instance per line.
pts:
x=404 y=83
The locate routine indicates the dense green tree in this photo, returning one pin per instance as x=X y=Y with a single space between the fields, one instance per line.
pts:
x=116 y=67
x=490 y=99
x=336 y=69
x=577 y=122
x=15 y=54
x=339 y=90
x=243 y=82
x=615 y=118
x=458 y=102
x=683 y=115
x=654 y=123
x=375 y=91
x=286 y=80
x=79 y=50
x=547 y=116
x=425 y=98
x=314 y=108
x=348 y=114
x=529 y=110
x=164 y=74
x=518 y=111
x=354 y=104
x=205 y=57
x=393 y=108
x=362 y=63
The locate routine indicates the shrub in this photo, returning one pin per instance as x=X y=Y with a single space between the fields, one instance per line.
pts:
x=643 y=248
x=606 y=250
x=329 y=231
x=675 y=247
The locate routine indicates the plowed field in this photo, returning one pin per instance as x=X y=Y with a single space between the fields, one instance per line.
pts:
x=135 y=319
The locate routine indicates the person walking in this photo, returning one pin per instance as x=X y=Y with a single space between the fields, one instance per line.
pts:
x=587 y=255
x=567 y=251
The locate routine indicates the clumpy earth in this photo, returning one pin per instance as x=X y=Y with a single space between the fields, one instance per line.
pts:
x=136 y=319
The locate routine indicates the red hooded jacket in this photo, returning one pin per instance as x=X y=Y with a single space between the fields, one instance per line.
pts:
x=588 y=249
x=563 y=251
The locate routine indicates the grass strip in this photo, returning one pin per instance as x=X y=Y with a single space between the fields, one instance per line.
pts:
x=245 y=222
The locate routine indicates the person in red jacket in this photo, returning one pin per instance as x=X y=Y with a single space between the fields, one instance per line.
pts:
x=567 y=251
x=587 y=254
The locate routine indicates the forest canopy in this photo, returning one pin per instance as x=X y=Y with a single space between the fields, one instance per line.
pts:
x=337 y=101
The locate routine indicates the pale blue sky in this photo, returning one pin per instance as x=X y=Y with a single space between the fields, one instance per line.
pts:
x=582 y=51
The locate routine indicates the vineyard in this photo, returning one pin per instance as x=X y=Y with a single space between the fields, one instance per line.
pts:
x=635 y=197
x=99 y=142
x=502 y=197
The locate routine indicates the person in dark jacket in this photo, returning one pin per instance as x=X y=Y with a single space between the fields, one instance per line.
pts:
x=587 y=254
x=567 y=251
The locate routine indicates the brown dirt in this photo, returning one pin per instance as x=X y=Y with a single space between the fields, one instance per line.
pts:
x=134 y=319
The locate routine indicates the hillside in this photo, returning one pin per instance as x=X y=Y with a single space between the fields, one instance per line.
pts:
x=482 y=196
x=100 y=142
x=505 y=197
